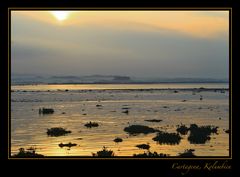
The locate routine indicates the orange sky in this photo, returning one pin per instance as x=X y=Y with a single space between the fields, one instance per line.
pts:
x=136 y=43
x=194 y=23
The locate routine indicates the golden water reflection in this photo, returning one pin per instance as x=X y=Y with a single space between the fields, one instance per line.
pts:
x=28 y=128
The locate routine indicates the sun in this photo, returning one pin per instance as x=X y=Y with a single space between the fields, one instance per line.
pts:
x=60 y=15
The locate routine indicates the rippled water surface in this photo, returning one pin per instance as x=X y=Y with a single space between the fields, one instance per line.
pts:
x=149 y=101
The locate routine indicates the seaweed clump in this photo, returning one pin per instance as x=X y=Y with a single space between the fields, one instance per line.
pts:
x=31 y=152
x=187 y=153
x=91 y=124
x=150 y=154
x=227 y=131
x=118 y=140
x=183 y=130
x=46 y=111
x=200 y=135
x=153 y=120
x=104 y=153
x=126 y=111
x=143 y=146
x=57 y=131
x=137 y=129
x=69 y=145
x=167 y=138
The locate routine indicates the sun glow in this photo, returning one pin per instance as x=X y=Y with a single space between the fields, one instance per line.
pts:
x=60 y=15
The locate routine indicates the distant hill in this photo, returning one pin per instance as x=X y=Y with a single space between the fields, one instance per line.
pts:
x=104 y=79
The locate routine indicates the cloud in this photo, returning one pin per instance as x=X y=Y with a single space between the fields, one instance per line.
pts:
x=141 y=45
x=200 y=24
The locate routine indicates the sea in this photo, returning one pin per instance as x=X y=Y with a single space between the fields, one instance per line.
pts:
x=77 y=104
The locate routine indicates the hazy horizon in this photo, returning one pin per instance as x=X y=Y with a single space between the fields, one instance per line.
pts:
x=102 y=75
x=106 y=79
x=149 y=44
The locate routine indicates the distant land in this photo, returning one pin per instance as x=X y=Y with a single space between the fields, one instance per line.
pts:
x=19 y=79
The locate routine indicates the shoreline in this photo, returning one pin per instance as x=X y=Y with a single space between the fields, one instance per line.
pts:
x=127 y=89
x=115 y=83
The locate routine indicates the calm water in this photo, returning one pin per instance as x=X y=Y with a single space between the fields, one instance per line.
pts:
x=45 y=87
x=28 y=128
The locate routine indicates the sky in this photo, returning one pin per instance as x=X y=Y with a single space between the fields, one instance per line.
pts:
x=163 y=44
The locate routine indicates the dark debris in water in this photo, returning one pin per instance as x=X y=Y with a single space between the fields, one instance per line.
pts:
x=69 y=145
x=227 y=131
x=118 y=140
x=182 y=129
x=104 y=153
x=150 y=154
x=167 y=138
x=153 y=120
x=57 y=131
x=126 y=111
x=200 y=135
x=187 y=153
x=29 y=153
x=143 y=146
x=91 y=124
x=137 y=129
x=46 y=111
